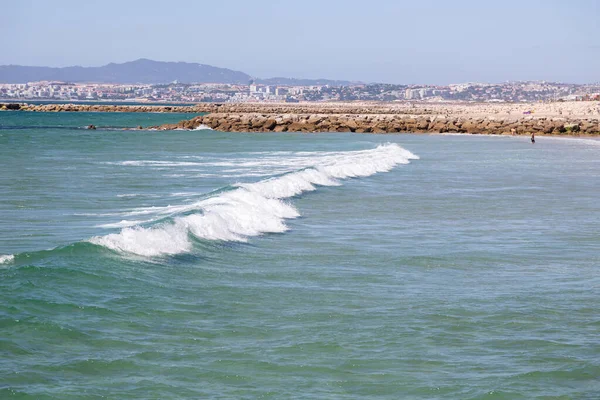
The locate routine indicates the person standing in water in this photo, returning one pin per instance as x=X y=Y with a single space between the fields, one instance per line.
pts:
x=532 y=137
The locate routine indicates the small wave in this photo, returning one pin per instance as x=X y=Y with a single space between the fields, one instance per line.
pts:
x=6 y=259
x=122 y=224
x=185 y=194
x=153 y=163
x=203 y=127
x=97 y=214
x=128 y=195
x=159 y=210
x=248 y=210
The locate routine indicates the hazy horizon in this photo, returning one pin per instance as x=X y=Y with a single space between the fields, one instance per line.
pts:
x=320 y=77
x=432 y=42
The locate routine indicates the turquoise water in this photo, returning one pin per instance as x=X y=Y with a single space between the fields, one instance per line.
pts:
x=81 y=120
x=98 y=102
x=201 y=264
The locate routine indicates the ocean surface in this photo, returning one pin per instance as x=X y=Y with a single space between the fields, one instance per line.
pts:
x=202 y=264
x=99 y=102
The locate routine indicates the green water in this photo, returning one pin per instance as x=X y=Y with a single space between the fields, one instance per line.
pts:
x=200 y=264
x=81 y=120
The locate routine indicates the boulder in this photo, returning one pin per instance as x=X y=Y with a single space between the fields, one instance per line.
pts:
x=422 y=124
x=269 y=124
x=351 y=125
x=314 y=119
x=572 y=127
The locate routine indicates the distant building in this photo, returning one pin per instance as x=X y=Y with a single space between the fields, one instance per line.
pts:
x=425 y=92
x=412 y=94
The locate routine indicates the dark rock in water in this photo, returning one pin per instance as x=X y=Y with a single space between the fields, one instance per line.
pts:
x=140 y=127
x=93 y=127
x=13 y=106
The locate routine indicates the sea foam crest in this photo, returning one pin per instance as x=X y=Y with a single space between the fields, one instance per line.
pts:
x=6 y=258
x=251 y=209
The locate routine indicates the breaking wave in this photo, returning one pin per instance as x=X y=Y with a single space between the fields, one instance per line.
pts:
x=6 y=259
x=121 y=224
x=246 y=210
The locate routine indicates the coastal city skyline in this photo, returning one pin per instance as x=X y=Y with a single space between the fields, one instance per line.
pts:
x=432 y=42
x=152 y=81
x=176 y=92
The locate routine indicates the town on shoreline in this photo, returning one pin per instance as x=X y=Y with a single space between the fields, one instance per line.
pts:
x=190 y=93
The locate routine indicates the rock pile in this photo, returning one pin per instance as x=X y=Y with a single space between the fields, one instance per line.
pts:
x=386 y=123
x=487 y=118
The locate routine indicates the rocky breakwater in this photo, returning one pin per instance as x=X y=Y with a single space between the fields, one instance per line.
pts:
x=388 y=123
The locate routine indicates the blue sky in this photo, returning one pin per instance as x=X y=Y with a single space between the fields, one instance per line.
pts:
x=424 y=41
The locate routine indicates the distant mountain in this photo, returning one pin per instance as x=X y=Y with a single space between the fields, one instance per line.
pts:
x=303 y=82
x=139 y=71
x=146 y=71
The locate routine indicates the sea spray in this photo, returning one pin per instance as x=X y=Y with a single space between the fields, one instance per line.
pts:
x=121 y=224
x=6 y=259
x=251 y=209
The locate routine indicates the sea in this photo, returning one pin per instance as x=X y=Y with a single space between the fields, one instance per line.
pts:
x=140 y=264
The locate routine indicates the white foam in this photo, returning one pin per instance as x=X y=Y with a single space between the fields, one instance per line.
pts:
x=203 y=127
x=291 y=184
x=163 y=240
x=7 y=258
x=184 y=194
x=122 y=224
x=156 y=163
x=97 y=214
x=252 y=209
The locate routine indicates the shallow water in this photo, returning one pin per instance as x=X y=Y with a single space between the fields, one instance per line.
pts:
x=207 y=264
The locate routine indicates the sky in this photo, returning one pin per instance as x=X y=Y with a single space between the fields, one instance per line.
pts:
x=391 y=41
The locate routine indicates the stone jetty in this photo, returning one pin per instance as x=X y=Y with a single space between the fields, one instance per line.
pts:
x=556 y=118
x=498 y=119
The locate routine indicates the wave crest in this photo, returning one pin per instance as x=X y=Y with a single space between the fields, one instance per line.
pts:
x=6 y=258
x=251 y=209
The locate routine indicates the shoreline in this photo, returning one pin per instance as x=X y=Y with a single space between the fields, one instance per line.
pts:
x=559 y=119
